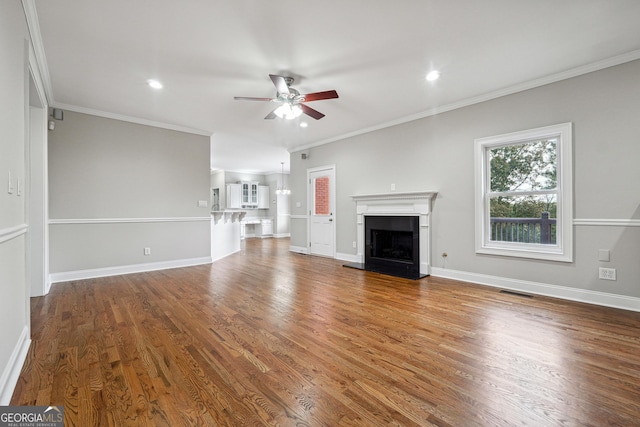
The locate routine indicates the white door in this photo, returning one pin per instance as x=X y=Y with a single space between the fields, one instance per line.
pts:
x=322 y=222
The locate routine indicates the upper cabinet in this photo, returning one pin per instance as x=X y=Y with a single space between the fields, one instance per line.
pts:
x=263 y=197
x=234 y=196
x=247 y=195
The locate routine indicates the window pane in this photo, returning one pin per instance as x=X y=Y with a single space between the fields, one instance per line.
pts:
x=524 y=219
x=524 y=167
x=321 y=196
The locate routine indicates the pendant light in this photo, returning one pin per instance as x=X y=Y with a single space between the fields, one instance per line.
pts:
x=282 y=189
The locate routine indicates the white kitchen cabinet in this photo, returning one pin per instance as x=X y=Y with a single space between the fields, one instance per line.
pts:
x=266 y=228
x=234 y=196
x=263 y=197
x=249 y=194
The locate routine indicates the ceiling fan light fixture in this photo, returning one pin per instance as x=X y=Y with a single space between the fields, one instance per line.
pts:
x=288 y=112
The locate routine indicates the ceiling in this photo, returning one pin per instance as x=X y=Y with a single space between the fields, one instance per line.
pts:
x=374 y=53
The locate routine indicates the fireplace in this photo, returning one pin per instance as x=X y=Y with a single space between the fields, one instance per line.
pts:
x=400 y=242
x=392 y=245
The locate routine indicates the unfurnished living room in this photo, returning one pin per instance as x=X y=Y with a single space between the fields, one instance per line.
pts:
x=341 y=213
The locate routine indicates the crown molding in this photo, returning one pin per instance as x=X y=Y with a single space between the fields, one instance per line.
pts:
x=130 y=119
x=509 y=90
x=33 y=26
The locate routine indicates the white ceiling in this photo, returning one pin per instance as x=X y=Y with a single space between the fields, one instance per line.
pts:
x=375 y=53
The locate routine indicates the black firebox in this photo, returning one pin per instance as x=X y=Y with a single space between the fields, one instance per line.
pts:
x=392 y=245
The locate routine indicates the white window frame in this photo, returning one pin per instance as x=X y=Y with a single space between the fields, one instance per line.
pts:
x=563 y=249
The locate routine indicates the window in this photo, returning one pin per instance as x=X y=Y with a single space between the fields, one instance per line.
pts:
x=524 y=194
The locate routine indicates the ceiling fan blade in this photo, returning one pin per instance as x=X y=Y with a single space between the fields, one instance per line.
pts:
x=250 y=98
x=280 y=84
x=311 y=112
x=317 y=96
x=271 y=115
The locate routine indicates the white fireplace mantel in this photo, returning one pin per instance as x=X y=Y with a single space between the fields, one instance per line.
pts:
x=416 y=203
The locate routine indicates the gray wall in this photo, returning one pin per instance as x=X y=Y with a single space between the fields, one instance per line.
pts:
x=117 y=187
x=437 y=154
x=14 y=109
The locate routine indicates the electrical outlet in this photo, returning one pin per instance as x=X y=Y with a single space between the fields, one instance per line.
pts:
x=147 y=251
x=607 y=273
x=354 y=243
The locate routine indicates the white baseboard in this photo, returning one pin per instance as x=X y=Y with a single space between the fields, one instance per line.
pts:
x=282 y=235
x=347 y=257
x=299 y=249
x=126 y=269
x=563 y=292
x=223 y=256
x=11 y=372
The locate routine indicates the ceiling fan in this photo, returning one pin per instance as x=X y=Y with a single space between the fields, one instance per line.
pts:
x=291 y=100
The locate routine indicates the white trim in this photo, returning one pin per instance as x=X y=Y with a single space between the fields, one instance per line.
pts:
x=130 y=119
x=607 y=222
x=10 y=233
x=555 y=291
x=126 y=220
x=223 y=256
x=33 y=26
x=127 y=269
x=347 y=257
x=12 y=370
x=299 y=250
x=510 y=90
x=29 y=6
x=411 y=195
x=282 y=235
x=299 y=217
x=331 y=170
x=415 y=203
x=563 y=249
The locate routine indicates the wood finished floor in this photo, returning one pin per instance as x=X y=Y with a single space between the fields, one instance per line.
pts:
x=268 y=337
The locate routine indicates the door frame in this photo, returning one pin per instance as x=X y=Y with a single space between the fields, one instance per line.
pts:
x=332 y=192
x=37 y=185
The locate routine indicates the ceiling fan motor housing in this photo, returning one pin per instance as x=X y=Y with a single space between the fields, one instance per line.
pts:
x=292 y=99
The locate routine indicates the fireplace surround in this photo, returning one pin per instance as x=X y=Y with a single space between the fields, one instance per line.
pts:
x=405 y=213
x=392 y=245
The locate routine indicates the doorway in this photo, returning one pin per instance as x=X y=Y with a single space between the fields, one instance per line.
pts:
x=37 y=197
x=322 y=218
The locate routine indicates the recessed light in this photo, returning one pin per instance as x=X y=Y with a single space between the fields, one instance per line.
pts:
x=154 y=84
x=433 y=75
x=304 y=124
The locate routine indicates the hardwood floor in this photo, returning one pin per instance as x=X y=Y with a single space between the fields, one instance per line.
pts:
x=268 y=337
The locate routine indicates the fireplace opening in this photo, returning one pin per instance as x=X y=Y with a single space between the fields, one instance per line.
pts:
x=392 y=245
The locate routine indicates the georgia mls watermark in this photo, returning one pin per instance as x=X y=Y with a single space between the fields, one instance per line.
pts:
x=31 y=416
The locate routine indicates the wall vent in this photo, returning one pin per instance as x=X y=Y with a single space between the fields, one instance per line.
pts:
x=518 y=294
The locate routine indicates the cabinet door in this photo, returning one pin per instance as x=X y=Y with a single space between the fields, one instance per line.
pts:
x=254 y=193
x=234 y=196
x=267 y=227
x=245 y=193
x=263 y=197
